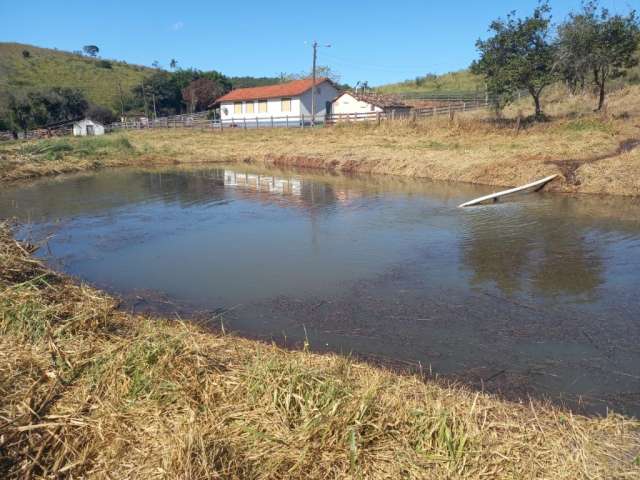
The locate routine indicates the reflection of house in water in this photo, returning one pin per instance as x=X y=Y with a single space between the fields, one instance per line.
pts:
x=266 y=183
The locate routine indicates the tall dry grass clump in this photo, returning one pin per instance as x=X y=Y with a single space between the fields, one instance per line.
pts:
x=88 y=391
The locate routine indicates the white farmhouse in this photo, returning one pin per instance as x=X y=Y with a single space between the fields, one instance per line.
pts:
x=348 y=103
x=87 y=127
x=280 y=101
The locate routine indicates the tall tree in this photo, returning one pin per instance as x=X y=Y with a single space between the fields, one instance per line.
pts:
x=201 y=93
x=604 y=45
x=575 y=41
x=91 y=50
x=173 y=64
x=518 y=56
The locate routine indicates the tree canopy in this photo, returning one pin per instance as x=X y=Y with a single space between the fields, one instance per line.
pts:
x=519 y=55
x=597 y=44
x=91 y=50
x=175 y=92
x=41 y=108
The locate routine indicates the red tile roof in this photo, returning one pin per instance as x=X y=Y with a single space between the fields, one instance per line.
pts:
x=288 y=89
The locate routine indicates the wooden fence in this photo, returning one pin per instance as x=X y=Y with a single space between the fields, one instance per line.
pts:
x=413 y=113
x=200 y=120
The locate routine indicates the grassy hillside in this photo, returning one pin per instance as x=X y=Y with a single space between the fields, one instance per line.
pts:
x=465 y=81
x=462 y=80
x=44 y=68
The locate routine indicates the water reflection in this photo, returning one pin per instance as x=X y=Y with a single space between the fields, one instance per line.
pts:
x=524 y=246
x=543 y=287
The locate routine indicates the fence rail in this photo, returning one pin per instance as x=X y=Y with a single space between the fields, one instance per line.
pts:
x=407 y=113
x=298 y=121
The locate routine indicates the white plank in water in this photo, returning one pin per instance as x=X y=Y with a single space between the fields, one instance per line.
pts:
x=537 y=183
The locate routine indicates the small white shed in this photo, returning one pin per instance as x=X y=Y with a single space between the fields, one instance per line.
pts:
x=87 y=127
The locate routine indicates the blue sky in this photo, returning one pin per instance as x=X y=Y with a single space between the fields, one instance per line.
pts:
x=377 y=41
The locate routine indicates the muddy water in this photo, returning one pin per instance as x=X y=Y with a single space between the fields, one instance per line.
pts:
x=539 y=295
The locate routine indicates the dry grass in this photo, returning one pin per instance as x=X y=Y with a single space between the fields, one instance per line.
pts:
x=471 y=148
x=89 y=391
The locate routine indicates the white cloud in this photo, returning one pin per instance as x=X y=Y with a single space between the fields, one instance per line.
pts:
x=177 y=26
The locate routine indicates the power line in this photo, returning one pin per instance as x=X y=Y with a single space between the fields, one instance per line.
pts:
x=378 y=67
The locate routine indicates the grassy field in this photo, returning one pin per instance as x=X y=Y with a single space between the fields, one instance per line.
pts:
x=585 y=148
x=88 y=391
x=45 y=68
x=465 y=81
x=452 y=82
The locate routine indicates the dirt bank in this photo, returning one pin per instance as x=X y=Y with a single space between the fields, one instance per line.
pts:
x=592 y=153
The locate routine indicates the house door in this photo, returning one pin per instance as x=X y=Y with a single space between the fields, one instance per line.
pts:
x=327 y=107
x=90 y=130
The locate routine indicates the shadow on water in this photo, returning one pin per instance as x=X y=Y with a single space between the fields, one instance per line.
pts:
x=536 y=296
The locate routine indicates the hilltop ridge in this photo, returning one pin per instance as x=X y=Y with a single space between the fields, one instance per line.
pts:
x=24 y=67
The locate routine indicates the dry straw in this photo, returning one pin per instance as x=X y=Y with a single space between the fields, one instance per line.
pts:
x=473 y=147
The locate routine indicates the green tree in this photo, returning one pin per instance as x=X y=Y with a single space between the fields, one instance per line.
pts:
x=575 y=41
x=202 y=92
x=41 y=108
x=101 y=114
x=91 y=50
x=518 y=56
x=604 y=45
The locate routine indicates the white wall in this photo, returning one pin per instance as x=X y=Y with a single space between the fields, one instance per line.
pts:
x=273 y=109
x=325 y=92
x=346 y=103
x=80 y=128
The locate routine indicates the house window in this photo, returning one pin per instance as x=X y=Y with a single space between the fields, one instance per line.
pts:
x=285 y=105
x=237 y=108
x=262 y=106
x=250 y=107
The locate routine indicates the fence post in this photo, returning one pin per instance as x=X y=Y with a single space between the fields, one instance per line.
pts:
x=244 y=122
x=378 y=118
x=393 y=114
x=301 y=120
x=257 y=123
x=271 y=121
x=287 y=121
x=464 y=106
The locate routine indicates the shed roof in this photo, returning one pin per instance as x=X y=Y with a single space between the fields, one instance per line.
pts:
x=87 y=119
x=288 y=89
x=377 y=99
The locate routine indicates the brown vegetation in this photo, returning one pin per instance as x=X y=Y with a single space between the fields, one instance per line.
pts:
x=580 y=145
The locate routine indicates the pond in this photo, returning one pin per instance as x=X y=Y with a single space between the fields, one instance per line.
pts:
x=538 y=295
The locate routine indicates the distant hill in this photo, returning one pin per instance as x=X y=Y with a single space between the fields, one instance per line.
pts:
x=244 y=82
x=26 y=66
x=460 y=81
x=465 y=81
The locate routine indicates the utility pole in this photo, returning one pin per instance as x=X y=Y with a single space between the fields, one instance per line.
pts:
x=313 y=85
x=155 y=112
x=121 y=101
x=144 y=98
